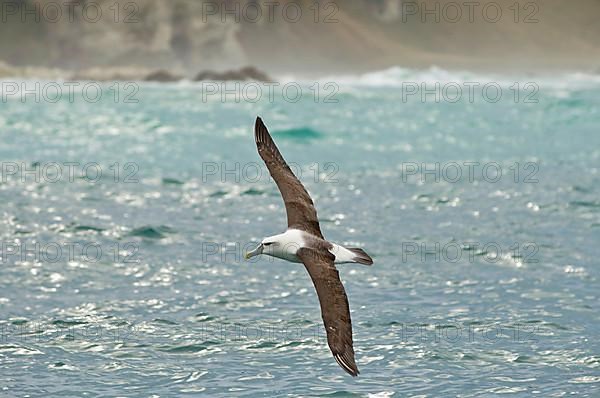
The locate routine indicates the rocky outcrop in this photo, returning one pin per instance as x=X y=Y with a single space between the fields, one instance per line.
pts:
x=130 y=73
x=247 y=73
x=162 y=76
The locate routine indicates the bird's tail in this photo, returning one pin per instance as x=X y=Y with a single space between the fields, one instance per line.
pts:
x=360 y=256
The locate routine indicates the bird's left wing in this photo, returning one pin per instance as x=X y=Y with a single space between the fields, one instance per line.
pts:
x=301 y=212
x=334 y=305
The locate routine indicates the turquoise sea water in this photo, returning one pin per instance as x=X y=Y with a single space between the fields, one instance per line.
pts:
x=132 y=283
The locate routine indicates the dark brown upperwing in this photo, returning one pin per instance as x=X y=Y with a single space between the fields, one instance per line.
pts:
x=334 y=305
x=301 y=212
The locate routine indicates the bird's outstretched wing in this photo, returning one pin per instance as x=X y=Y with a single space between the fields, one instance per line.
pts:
x=334 y=305
x=301 y=212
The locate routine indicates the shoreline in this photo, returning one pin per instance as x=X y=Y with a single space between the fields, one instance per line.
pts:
x=161 y=75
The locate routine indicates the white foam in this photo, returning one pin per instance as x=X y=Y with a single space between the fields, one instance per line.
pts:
x=397 y=76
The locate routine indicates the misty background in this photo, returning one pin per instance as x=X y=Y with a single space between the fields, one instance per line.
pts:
x=108 y=38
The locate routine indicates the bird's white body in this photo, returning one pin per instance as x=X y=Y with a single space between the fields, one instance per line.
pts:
x=287 y=244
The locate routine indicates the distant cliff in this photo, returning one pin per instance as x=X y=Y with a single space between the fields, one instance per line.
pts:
x=313 y=37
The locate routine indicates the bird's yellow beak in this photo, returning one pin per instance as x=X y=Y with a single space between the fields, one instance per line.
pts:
x=255 y=252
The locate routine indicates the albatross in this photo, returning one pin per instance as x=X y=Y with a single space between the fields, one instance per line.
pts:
x=303 y=242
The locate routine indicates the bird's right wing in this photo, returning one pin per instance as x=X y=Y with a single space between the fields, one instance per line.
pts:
x=334 y=305
x=301 y=212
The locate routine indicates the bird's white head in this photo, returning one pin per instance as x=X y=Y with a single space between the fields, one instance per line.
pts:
x=266 y=246
x=283 y=246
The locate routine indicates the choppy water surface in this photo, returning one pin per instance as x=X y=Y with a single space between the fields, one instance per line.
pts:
x=133 y=284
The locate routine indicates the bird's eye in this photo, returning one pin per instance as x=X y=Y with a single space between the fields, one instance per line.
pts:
x=267 y=243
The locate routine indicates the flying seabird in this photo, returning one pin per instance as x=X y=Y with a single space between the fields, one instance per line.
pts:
x=304 y=243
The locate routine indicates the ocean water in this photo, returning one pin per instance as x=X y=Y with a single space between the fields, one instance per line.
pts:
x=124 y=221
